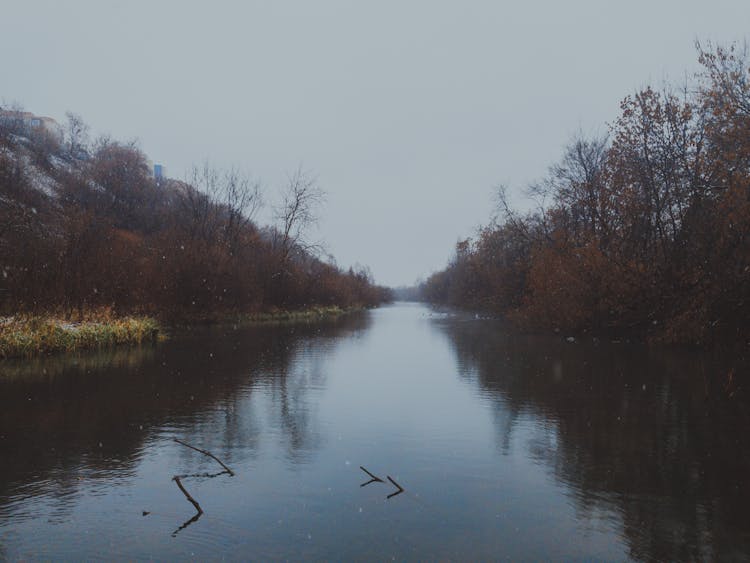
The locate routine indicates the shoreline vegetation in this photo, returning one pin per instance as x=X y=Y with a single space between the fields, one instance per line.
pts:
x=273 y=316
x=29 y=336
x=26 y=336
x=642 y=230
x=97 y=249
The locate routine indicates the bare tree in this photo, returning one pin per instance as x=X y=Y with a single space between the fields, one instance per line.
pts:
x=216 y=200
x=11 y=119
x=577 y=184
x=242 y=198
x=298 y=212
x=506 y=217
x=198 y=197
x=76 y=135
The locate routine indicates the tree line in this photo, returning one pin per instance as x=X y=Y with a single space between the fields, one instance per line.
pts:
x=646 y=228
x=85 y=224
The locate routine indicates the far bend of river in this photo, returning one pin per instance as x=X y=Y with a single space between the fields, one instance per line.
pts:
x=507 y=446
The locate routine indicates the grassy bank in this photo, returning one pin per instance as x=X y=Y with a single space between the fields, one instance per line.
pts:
x=35 y=335
x=304 y=315
x=29 y=336
x=271 y=316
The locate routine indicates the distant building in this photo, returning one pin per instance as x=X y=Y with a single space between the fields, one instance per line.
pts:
x=159 y=172
x=27 y=122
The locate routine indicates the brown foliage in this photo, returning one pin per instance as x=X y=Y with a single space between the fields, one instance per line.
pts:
x=109 y=236
x=650 y=231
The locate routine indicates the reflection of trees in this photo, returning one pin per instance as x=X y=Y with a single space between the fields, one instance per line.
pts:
x=290 y=389
x=47 y=367
x=648 y=434
x=90 y=416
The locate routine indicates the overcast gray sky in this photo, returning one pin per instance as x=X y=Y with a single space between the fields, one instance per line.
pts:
x=408 y=112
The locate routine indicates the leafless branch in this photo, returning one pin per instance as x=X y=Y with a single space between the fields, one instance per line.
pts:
x=298 y=211
x=194 y=502
x=205 y=452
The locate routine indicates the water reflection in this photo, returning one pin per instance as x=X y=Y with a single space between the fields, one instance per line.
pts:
x=66 y=421
x=652 y=436
x=507 y=446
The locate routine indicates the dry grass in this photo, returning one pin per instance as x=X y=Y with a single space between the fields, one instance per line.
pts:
x=27 y=336
x=271 y=316
x=312 y=314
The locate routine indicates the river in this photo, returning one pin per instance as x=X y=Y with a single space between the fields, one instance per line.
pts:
x=505 y=446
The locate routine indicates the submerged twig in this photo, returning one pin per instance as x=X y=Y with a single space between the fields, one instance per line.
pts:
x=400 y=488
x=209 y=454
x=194 y=502
x=206 y=475
x=373 y=478
x=370 y=474
x=178 y=479
x=186 y=524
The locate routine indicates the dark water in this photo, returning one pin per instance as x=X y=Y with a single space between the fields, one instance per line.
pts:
x=506 y=446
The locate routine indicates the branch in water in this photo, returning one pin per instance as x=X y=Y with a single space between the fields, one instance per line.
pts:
x=400 y=488
x=204 y=452
x=373 y=479
x=194 y=502
x=186 y=524
x=206 y=475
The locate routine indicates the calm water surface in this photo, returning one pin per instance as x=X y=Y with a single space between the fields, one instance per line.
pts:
x=507 y=446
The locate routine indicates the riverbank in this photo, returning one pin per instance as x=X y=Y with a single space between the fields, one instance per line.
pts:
x=37 y=335
x=652 y=334
x=28 y=336
x=272 y=316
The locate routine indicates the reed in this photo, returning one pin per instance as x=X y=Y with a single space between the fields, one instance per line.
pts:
x=270 y=316
x=311 y=314
x=27 y=336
